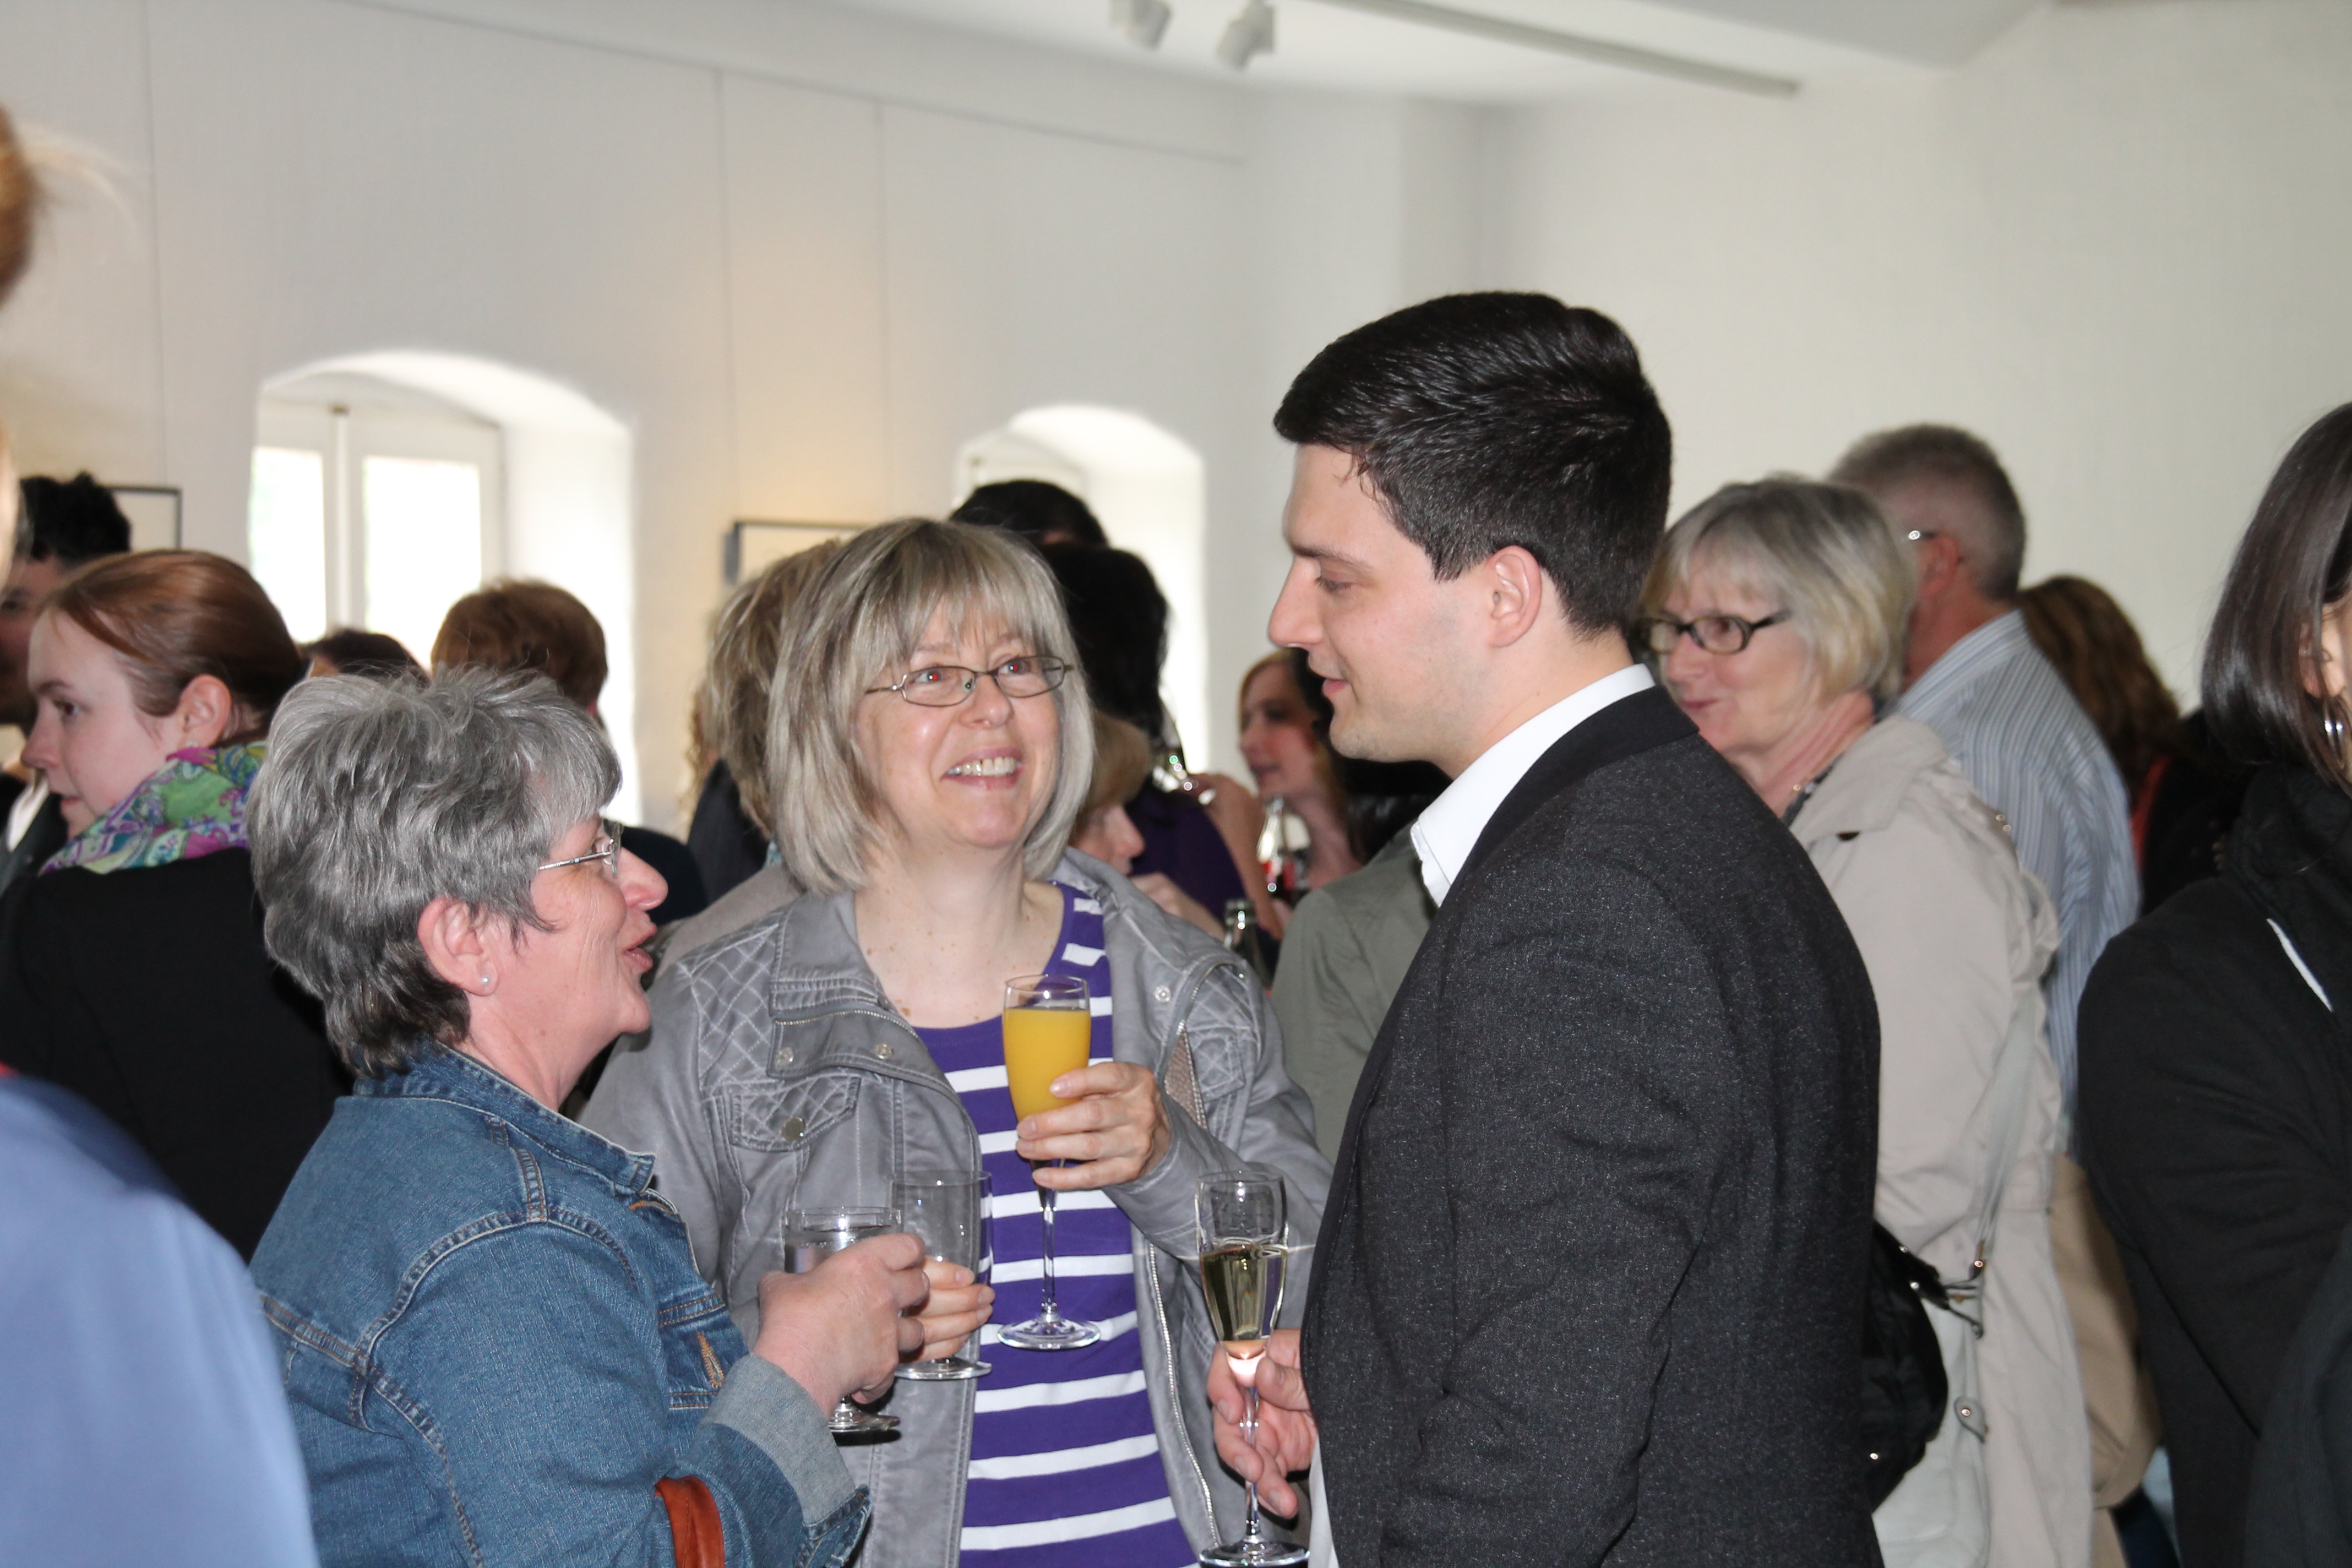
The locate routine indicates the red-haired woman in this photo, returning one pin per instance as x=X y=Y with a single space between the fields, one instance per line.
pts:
x=134 y=972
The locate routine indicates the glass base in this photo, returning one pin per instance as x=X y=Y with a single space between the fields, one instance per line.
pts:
x=1049 y=1334
x=1262 y=1552
x=946 y=1369
x=850 y=1419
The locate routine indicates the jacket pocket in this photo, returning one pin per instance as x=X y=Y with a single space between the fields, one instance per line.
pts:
x=774 y=1118
x=699 y=1343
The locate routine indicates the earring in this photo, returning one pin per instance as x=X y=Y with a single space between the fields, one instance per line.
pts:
x=2332 y=722
x=488 y=985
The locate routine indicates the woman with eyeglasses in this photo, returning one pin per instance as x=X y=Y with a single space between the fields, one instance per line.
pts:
x=492 y=1334
x=1776 y=613
x=926 y=772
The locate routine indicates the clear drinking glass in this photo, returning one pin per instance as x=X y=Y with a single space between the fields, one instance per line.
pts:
x=814 y=1235
x=948 y=1210
x=1048 y=1031
x=1243 y=1233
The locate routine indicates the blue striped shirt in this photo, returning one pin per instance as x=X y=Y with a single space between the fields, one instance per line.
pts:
x=1066 y=1470
x=2007 y=718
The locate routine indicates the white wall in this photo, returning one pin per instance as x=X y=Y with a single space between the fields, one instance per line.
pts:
x=2114 y=245
x=803 y=254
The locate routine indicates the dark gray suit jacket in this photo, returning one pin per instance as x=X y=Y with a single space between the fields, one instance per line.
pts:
x=1588 y=1286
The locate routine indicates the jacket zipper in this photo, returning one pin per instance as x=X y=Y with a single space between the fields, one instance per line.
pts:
x=1152 y=1261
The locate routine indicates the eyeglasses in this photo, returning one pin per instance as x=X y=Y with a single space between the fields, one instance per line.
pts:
x=608 y=850
x=1715 y=634
x=952 y=685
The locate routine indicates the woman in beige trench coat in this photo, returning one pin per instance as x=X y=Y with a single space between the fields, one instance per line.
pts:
x=1778 y=615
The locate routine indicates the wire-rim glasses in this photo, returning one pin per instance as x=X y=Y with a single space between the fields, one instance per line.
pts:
x=1713 y=634
x=952 y=685
x=608 y=850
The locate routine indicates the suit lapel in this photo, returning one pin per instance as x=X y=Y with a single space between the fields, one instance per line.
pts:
x=1627 y=727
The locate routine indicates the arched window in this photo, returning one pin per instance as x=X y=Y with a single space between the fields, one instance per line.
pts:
x=1147 y=488
x=387 y=485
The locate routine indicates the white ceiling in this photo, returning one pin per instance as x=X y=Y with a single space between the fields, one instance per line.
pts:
x=1324 y=44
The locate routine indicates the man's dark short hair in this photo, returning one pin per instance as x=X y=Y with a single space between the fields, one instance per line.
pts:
x=1949 y=455
x=71 y=522
x=1036 y=511
x=1485 y=421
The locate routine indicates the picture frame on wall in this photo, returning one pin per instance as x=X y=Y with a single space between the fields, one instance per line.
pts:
x=752 y=544
x=154 y=514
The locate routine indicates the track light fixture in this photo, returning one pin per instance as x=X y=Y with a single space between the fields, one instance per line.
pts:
x=1143 y=21
x=1247 y=36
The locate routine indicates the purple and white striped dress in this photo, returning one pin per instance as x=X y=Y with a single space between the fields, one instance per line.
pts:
x=1066 y=1469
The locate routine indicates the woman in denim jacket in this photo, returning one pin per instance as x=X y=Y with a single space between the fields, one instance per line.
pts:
x=492 y=1332
x=929 y=753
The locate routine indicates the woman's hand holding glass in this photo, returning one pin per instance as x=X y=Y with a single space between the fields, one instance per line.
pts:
x=1115 y=1131
x=841 y=1328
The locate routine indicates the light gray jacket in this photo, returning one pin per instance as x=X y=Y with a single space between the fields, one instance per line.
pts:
x=776 y=1067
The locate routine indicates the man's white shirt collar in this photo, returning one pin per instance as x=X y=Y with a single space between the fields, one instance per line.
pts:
x=1449 y=829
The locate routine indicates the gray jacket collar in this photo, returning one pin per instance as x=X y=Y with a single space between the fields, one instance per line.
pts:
x=827 y=970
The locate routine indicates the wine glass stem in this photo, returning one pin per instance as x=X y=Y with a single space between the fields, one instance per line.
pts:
x=1052 y=1307
x=1249 y=1433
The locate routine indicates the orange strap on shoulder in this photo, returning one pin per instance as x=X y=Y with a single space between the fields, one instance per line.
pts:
x=695 y=1528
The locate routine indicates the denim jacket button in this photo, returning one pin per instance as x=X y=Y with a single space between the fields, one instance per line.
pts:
x=784 y=1056
x=1160 y=994
x=793 y=1127
x=882 y=1050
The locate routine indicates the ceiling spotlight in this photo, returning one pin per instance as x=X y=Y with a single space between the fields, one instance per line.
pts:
x=1143 y=21
x=1247 y=36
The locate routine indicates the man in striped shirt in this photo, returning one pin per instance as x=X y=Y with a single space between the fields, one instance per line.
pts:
x=2002 y=710
x=2008 y=720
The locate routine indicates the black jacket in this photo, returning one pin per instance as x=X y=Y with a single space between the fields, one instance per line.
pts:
x=2299 y=1504
x=147 y=992
x=1588 y=1286
x=2215 y=1116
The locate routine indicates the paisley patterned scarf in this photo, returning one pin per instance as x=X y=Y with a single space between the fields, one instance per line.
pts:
x=193 y=806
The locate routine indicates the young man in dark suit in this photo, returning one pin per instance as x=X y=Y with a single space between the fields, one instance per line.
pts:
x=1588 y=1286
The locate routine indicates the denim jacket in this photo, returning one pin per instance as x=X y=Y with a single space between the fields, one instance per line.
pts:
x=495 y=1343
x=775 y=1060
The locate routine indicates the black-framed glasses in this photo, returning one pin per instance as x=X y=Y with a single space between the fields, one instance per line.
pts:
x=952 y=685
x=1713 y=633
x=608 y=850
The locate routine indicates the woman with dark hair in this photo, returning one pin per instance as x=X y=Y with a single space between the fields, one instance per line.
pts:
x=135 y=972
x=1119 y=620
x=2182 y=801
x=2215 y=1113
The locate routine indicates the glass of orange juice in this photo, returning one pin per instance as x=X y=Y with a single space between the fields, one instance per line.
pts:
x=1048 y=1030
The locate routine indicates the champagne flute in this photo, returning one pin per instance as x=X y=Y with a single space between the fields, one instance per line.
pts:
x=948 y=1210
x=814 y=1235
x=1048 y=1031
x=1242 y=1229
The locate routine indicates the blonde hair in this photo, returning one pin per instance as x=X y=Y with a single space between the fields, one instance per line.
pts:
x=1122 y=762
x=731 y=710
x=1826 y=553
x=853 y=629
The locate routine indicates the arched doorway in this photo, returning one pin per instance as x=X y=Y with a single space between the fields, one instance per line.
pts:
x=1148 y=486
x=388 y=484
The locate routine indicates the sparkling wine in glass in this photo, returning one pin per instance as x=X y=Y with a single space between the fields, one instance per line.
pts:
x=1048 y=1031
x=814 y=1235
x=1240 y=1220
x=948 y=1212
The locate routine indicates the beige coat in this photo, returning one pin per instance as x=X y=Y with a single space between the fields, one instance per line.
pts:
x=1957 y=935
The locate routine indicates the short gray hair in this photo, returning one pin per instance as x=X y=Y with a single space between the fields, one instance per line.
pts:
x=377 y=797
x=1946 y=454
x=1826 y=553
x=853 y=629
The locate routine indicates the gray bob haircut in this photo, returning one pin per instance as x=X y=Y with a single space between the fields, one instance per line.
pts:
x=854 y=628
x=1825 y=554
x=376 y=798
